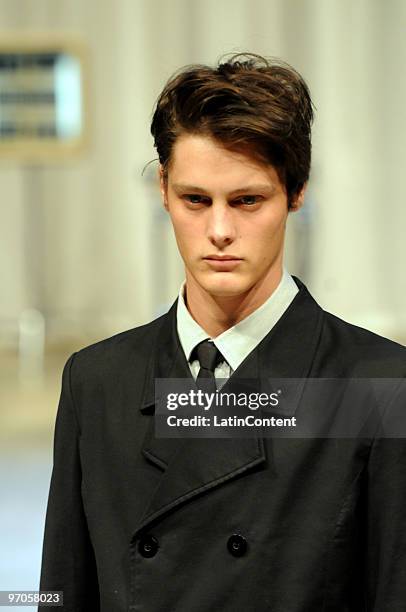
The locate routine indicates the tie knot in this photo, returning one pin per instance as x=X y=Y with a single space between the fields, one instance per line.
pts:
x=208 y=355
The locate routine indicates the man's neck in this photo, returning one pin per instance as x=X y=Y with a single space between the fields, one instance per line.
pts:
x=216 y=314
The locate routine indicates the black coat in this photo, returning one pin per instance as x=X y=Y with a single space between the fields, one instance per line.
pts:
x=138 y=523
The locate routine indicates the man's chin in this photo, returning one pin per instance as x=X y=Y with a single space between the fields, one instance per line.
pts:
x=224 y=285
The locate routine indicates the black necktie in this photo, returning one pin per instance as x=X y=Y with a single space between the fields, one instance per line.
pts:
x=209 y=357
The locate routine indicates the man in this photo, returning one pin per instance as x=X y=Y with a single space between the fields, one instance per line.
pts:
x=142 y=523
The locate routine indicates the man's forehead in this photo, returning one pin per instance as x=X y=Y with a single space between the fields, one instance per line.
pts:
x=200 y=161
x=195 y=144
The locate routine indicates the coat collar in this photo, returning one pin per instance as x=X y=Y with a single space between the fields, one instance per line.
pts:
x=191 y=466
x=167 y=360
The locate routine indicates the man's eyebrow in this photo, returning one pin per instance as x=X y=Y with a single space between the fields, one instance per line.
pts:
x=254 y=188
x=183 y=187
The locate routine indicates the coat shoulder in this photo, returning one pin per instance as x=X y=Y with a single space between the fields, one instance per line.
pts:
x=129 y=348
x=368 y=353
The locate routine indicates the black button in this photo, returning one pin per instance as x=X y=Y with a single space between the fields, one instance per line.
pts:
x=148 y=546
x=237 y=545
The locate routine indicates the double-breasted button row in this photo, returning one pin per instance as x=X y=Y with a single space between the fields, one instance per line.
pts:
x=236 y=545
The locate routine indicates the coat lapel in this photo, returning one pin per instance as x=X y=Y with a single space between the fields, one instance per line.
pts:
x=191 y=466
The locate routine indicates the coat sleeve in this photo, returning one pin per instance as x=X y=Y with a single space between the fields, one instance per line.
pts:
x=386 y=527
x=68 y=560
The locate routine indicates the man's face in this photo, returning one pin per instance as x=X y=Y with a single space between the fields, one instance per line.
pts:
x=229 y=214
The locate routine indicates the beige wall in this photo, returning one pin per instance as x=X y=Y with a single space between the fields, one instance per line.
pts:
x=87 y=242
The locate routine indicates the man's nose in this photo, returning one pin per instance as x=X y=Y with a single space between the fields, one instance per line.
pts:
x=221 y=225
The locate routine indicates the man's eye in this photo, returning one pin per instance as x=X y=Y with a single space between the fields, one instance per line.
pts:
x=195 y=199
x=248 y=199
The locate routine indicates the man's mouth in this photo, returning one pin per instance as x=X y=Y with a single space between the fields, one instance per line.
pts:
x=222 y=258
x=222 y=263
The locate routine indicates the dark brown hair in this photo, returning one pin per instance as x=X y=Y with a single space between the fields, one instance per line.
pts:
x=246 y=103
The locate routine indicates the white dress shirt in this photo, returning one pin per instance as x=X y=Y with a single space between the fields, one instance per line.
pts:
x=241 y=339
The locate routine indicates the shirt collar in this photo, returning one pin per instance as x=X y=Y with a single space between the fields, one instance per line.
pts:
x=237 y=342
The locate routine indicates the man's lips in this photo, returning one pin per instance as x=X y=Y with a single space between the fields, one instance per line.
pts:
x=222 y=258
x=222 y=263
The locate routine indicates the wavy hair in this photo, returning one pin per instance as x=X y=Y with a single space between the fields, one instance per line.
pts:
x=247 y=103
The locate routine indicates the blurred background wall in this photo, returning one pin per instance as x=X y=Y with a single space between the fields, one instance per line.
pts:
x=86 y=244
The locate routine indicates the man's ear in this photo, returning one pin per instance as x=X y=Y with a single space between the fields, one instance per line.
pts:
x=298 y=200
x=163 y=187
